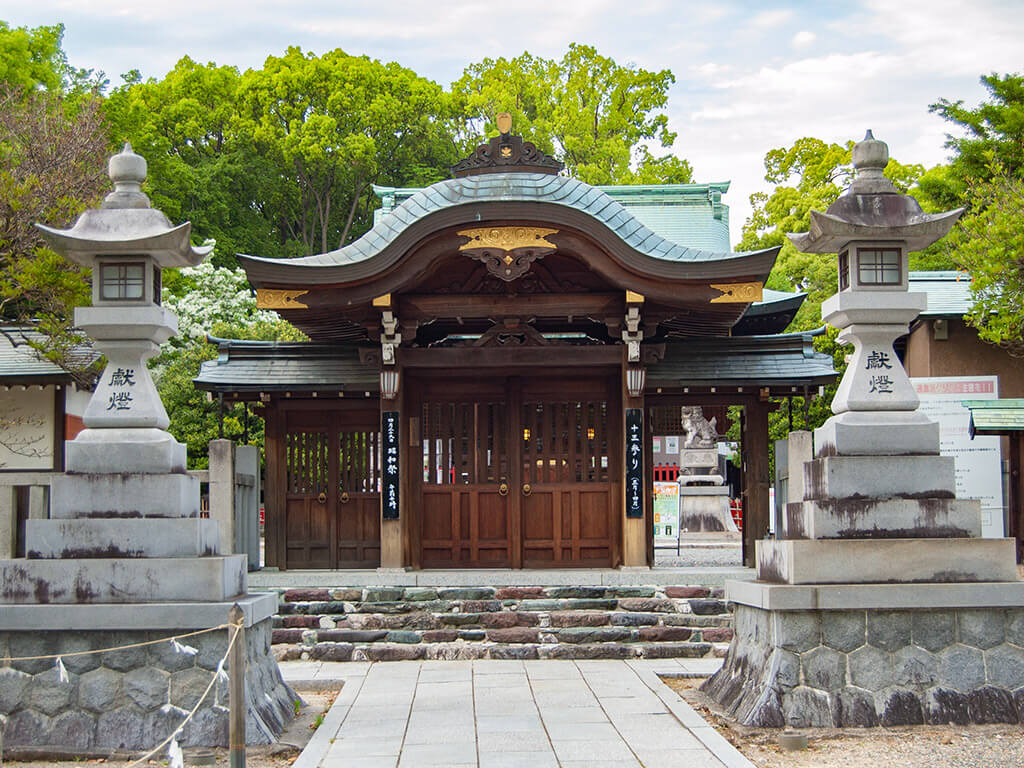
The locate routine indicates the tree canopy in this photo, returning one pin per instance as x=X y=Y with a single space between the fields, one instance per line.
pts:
x=591 y=113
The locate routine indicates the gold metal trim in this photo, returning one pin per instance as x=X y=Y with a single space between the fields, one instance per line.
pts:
x=382 y=301
x=738 y=293
x=507 y=238
x=280 y=298
x=632 y=297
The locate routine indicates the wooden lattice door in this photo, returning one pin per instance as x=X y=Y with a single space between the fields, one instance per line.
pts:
x=521 y=476
x=567 y=493
x=307 y=494
x=332 y=489
x=465 y=513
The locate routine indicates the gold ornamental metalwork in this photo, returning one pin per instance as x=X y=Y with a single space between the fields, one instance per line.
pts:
x=738 y=293
x=280 y=298
x=508 y=238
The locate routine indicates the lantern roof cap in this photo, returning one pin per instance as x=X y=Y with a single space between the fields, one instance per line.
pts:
x=125 y=224
x=873 y=210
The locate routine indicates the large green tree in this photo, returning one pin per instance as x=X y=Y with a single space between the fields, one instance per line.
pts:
x=596 y=116
x=988 y=135
x=331 y=127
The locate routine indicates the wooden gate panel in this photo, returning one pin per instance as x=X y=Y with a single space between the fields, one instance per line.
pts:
x=566 y=493
x=307 y=520
x=465 y=519
x=358 y=498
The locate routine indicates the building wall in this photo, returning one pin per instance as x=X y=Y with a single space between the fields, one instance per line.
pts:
x=962 y=354
x=27 y=427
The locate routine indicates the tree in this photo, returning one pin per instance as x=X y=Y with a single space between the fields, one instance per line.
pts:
x=197 y=172
x=53 y=158
x=992 y=132
x=32 y=59
x=591 y=113
x=988 y=243
x=331 y=127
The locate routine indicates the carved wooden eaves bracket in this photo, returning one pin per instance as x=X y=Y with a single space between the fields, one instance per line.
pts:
x=508 y=252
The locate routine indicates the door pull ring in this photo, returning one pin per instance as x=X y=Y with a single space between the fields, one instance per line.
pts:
x=322 y=498
x=527 y=490
x=503 y=489
x=344 y=497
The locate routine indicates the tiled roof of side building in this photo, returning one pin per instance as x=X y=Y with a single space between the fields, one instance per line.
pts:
x=20 y=362
x=949 y=292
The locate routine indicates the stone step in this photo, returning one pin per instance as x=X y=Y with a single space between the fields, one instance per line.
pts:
x=511 y=634
x=426 y=620
x=392 y=651
x=577 y=622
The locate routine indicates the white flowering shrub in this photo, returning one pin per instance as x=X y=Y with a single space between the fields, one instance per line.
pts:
x=217 y=295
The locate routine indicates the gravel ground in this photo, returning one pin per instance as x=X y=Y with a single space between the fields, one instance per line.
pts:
x=703 y=557
x=923 y=746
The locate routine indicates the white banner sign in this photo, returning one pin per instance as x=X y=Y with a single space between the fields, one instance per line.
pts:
x=979 y=472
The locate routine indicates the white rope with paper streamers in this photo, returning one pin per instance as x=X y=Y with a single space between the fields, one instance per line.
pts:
x=171 y=742
x=178 y=647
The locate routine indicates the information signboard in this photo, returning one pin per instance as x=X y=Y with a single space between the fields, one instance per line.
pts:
x=979 y=473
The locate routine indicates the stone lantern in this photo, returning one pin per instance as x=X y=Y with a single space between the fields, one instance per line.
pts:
x=126 y=244
x=124 y=557
x=878 y=603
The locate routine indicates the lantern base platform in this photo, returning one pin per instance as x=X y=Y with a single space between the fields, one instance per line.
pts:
x=877 y=433
x=125 y=450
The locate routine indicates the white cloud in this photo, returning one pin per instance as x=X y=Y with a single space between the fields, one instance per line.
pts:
x=803 y=38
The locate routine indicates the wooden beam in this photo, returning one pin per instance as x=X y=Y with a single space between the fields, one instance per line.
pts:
x=422 y=307
x=467 y=358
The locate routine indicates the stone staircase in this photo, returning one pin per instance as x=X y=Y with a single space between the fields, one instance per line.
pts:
x=554 y=622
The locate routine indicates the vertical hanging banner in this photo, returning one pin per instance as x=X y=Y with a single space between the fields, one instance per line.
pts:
x=389 y=475
x=634 y=462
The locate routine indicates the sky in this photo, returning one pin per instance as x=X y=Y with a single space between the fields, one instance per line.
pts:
x=750 y=76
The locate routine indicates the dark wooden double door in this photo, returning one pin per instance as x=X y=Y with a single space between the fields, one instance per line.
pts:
x=332 y=488
x=516 y=472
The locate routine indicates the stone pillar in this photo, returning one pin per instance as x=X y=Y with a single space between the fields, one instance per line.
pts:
x=222 y=493
x=8 y=521
x=801 y=450
x=247 y=462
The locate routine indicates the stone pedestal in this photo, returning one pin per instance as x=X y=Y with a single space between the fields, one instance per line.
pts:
x=705 y=509
x=133 y=699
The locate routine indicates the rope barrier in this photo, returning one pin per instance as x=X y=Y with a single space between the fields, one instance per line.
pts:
x=8 y=659
x=213 y=681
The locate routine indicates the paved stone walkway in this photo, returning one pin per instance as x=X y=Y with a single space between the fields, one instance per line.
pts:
x=500 y=714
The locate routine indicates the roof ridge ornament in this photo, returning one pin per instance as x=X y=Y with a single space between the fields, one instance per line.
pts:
x=506 y=152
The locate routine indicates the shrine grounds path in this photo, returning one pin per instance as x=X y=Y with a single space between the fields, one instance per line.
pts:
x=510 y=713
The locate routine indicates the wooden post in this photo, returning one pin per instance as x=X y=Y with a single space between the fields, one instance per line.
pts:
x=236 y=696
x=755 y=477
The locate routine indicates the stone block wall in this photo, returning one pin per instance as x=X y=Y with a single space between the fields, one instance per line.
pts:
x=867 y=668
x=133 y=699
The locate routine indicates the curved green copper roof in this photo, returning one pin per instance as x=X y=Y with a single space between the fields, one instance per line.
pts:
x=461 y=201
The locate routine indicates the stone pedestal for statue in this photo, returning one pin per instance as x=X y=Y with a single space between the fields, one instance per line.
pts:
x=125 y=557
x=879 y=603
x=703 y=498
